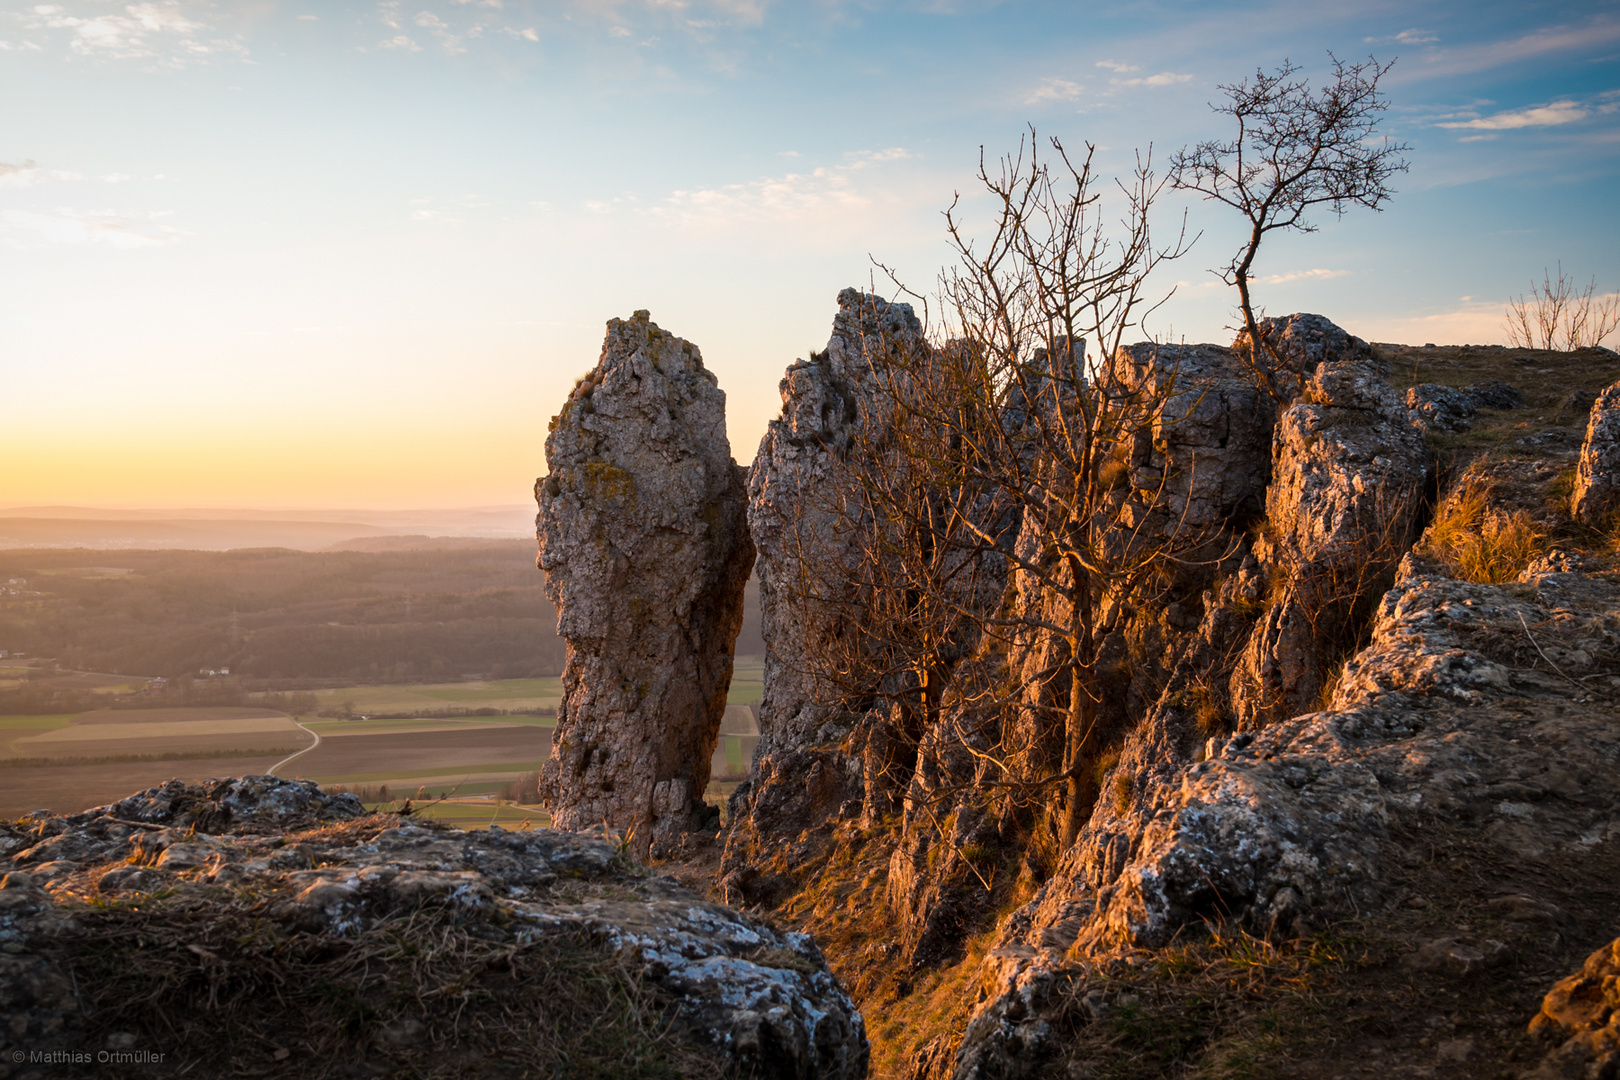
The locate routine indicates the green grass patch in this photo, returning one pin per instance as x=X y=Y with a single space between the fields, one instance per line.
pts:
x=748 y=693
x=496 y=691
x=473 y=816
x=736 y=760
x=37 y=723
x=327 y=727
x=502 y=767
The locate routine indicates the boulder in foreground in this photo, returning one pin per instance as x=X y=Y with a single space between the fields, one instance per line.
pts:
x=237 y=924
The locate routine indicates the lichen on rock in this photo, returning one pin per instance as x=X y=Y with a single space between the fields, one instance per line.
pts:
x=418 y=938
x=646 y=552
x=1597 y=478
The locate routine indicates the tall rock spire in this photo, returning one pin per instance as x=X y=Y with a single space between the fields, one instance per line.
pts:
x=645 y=545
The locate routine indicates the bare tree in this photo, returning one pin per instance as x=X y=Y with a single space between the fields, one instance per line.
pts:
x=1008 y=457
x=1559 y=315
x=1294 y=151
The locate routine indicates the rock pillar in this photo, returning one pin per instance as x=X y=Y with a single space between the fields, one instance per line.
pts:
x=645 y=545
x=1597 y=478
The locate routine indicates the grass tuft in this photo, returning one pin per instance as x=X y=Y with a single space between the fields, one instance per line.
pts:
x=1479 y=542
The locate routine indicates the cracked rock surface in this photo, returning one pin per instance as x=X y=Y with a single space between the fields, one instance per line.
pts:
x=1597 y=477
x=646 y=551
x=1472 y=703
x=760 y=999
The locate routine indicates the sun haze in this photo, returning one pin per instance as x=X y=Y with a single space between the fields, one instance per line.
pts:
x=354 y=254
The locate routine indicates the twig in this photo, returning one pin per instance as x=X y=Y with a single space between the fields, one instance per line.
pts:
x=1578 y=684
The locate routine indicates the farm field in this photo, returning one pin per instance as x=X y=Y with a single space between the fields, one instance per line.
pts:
x=67 y=789
x=72 y=761
x=184 y=732
x=505 y=694
x=747 y=687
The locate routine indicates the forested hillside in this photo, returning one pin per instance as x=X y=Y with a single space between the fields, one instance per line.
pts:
x=275 y=614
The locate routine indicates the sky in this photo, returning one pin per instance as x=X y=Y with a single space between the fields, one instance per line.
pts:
x=299 y=254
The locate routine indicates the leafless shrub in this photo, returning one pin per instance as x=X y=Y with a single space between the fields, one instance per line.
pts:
x=993 y=494
x=1294 y=150
x=1560 y=315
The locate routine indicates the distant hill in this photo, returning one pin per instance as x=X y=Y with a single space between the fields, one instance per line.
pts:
x=390 y=609
x=420 y=543
x=194 y=535
x=223 y=529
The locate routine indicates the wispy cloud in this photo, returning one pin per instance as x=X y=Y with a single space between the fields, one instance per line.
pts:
x=25 y=228
x=28 y=174
x=1318 y=274
x=1464 y=321
x=1163 y=78
x=1596 y=32
x=1405 y=37
x=158 y=30
x=816 y=203
x=1117 y=66
x=1054 y=89
x=422 y=210
x=18 y=175
x=1554 y=115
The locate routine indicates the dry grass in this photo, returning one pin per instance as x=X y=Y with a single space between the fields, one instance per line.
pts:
x=1479 y=542
x=232 y=991
x=1223 y=1007
x=935 y=1010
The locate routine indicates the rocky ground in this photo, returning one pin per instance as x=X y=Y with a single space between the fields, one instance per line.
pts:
x=259 y=926
x=1396 y=884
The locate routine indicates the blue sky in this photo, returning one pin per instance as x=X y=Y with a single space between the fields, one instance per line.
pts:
x=262 y=253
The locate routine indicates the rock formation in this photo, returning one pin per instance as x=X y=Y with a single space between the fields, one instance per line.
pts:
x=1597 y=479
x=1205 y=457
x=1440 y=408
x=1582 y=1014
x=1337 y=474
x=801 y=777
x=1348 y=470
x=643 y=540
x=240 y=923
x=1296 y=824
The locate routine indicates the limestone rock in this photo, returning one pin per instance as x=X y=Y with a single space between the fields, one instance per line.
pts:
x=803 y=774
x=1212 y=440
x=1582 y=1013
x=790 y=509
x=1496 y=394
x=645 y=550
x=1288 y=826
x=1348 y=469
x=759 y=1001
x=1440 y=408
x=1597 y=478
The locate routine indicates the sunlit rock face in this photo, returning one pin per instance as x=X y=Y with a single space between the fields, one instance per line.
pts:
x=1347 y=470
x=802 y=778
x=1597 y=479
x=646 y=551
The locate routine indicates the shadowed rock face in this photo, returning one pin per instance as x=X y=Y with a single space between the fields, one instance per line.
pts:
x=646 y=552
x=1597 y=479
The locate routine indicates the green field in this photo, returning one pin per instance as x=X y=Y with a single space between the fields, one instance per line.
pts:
x=747 y=681
x=475 y=814
x=747 y=686
x=37 y=723
x=509 y=694
x=331 y=727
